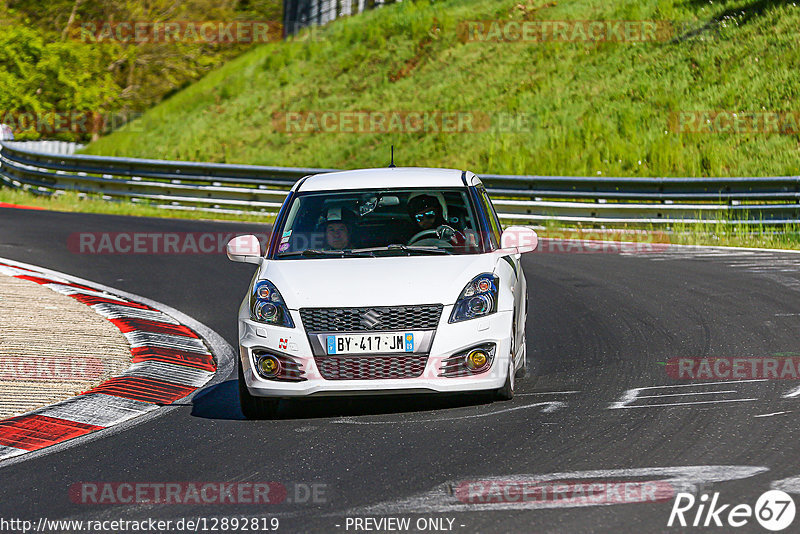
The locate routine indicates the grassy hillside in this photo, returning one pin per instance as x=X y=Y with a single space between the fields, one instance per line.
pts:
x=598 y=109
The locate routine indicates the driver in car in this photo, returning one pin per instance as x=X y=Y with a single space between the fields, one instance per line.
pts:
x=425 y=212
x=426 y=215
x=338 y=226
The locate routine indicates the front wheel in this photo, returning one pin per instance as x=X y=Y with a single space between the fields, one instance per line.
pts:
x=255 y=407
x=506 y=392
x=524 y=370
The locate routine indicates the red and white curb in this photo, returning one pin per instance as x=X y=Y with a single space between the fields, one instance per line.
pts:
x=171 y=361
x=19 y=207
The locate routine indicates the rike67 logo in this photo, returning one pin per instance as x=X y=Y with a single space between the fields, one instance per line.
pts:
x=774 y=510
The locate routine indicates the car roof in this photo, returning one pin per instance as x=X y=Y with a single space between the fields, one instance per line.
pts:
x=386 y=177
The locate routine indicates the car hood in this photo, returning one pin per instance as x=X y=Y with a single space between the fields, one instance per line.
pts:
x=361 y=282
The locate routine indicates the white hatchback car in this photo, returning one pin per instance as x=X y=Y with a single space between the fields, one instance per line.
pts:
x=396 y=280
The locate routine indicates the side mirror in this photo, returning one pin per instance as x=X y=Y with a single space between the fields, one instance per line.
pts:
x=244 y=249
x=518 y=240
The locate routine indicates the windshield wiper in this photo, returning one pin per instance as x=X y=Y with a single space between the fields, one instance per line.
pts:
x=310 y=252
x=405 y=248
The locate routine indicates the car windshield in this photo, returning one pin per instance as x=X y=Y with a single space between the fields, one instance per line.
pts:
x=387 y=222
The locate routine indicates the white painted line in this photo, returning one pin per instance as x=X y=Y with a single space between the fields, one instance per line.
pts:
x=170 y=341
x=450 y=496
x=631 y=395
x=549 y=407
x=760 y=265
x=10 y=452
x=97 y=409
x=733 y=249
x=687 y=403
x=67 y=290
x=706 y=255
x=770 y=414
x=176 y=374
x=555 y=405
x=748 y=262
x=684 y=394
x=120 y=311
x=706 y=384
x=792 y=393
x=548 y=393
x=12 y=271
x=789 y=485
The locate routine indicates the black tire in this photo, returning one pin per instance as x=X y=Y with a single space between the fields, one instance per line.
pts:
x=506 y=392
x=527 y=370
x=255 y=407
x=523 y=371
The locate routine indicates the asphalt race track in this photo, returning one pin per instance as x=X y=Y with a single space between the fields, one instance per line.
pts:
x=600 y=326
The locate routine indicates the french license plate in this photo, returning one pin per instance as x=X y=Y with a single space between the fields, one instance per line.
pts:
x=363 y=343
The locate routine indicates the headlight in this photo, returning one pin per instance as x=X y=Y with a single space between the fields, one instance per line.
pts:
x=478 y=299
x=267 y=306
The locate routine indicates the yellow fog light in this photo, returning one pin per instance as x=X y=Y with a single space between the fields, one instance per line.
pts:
x=476 y=360
x=269 y=366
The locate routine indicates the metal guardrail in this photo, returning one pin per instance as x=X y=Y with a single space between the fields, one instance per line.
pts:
x=298 y=14
x=249 y=188
x=48 y=147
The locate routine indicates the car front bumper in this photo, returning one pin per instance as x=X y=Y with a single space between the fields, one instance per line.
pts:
x=449 y=339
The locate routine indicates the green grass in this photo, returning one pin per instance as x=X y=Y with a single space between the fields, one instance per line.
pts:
x=74 y=202
x=719 y=233
x=735 y=235
x=598 y=109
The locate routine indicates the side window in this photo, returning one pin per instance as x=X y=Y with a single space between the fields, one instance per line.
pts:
x=494 y=222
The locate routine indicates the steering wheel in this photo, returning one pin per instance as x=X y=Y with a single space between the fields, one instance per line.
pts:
x=422 y=235
x=445 y=233
x=442 y=233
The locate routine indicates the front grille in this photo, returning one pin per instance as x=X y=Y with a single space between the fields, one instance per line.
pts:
x=371 y=367
x=423 y=317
